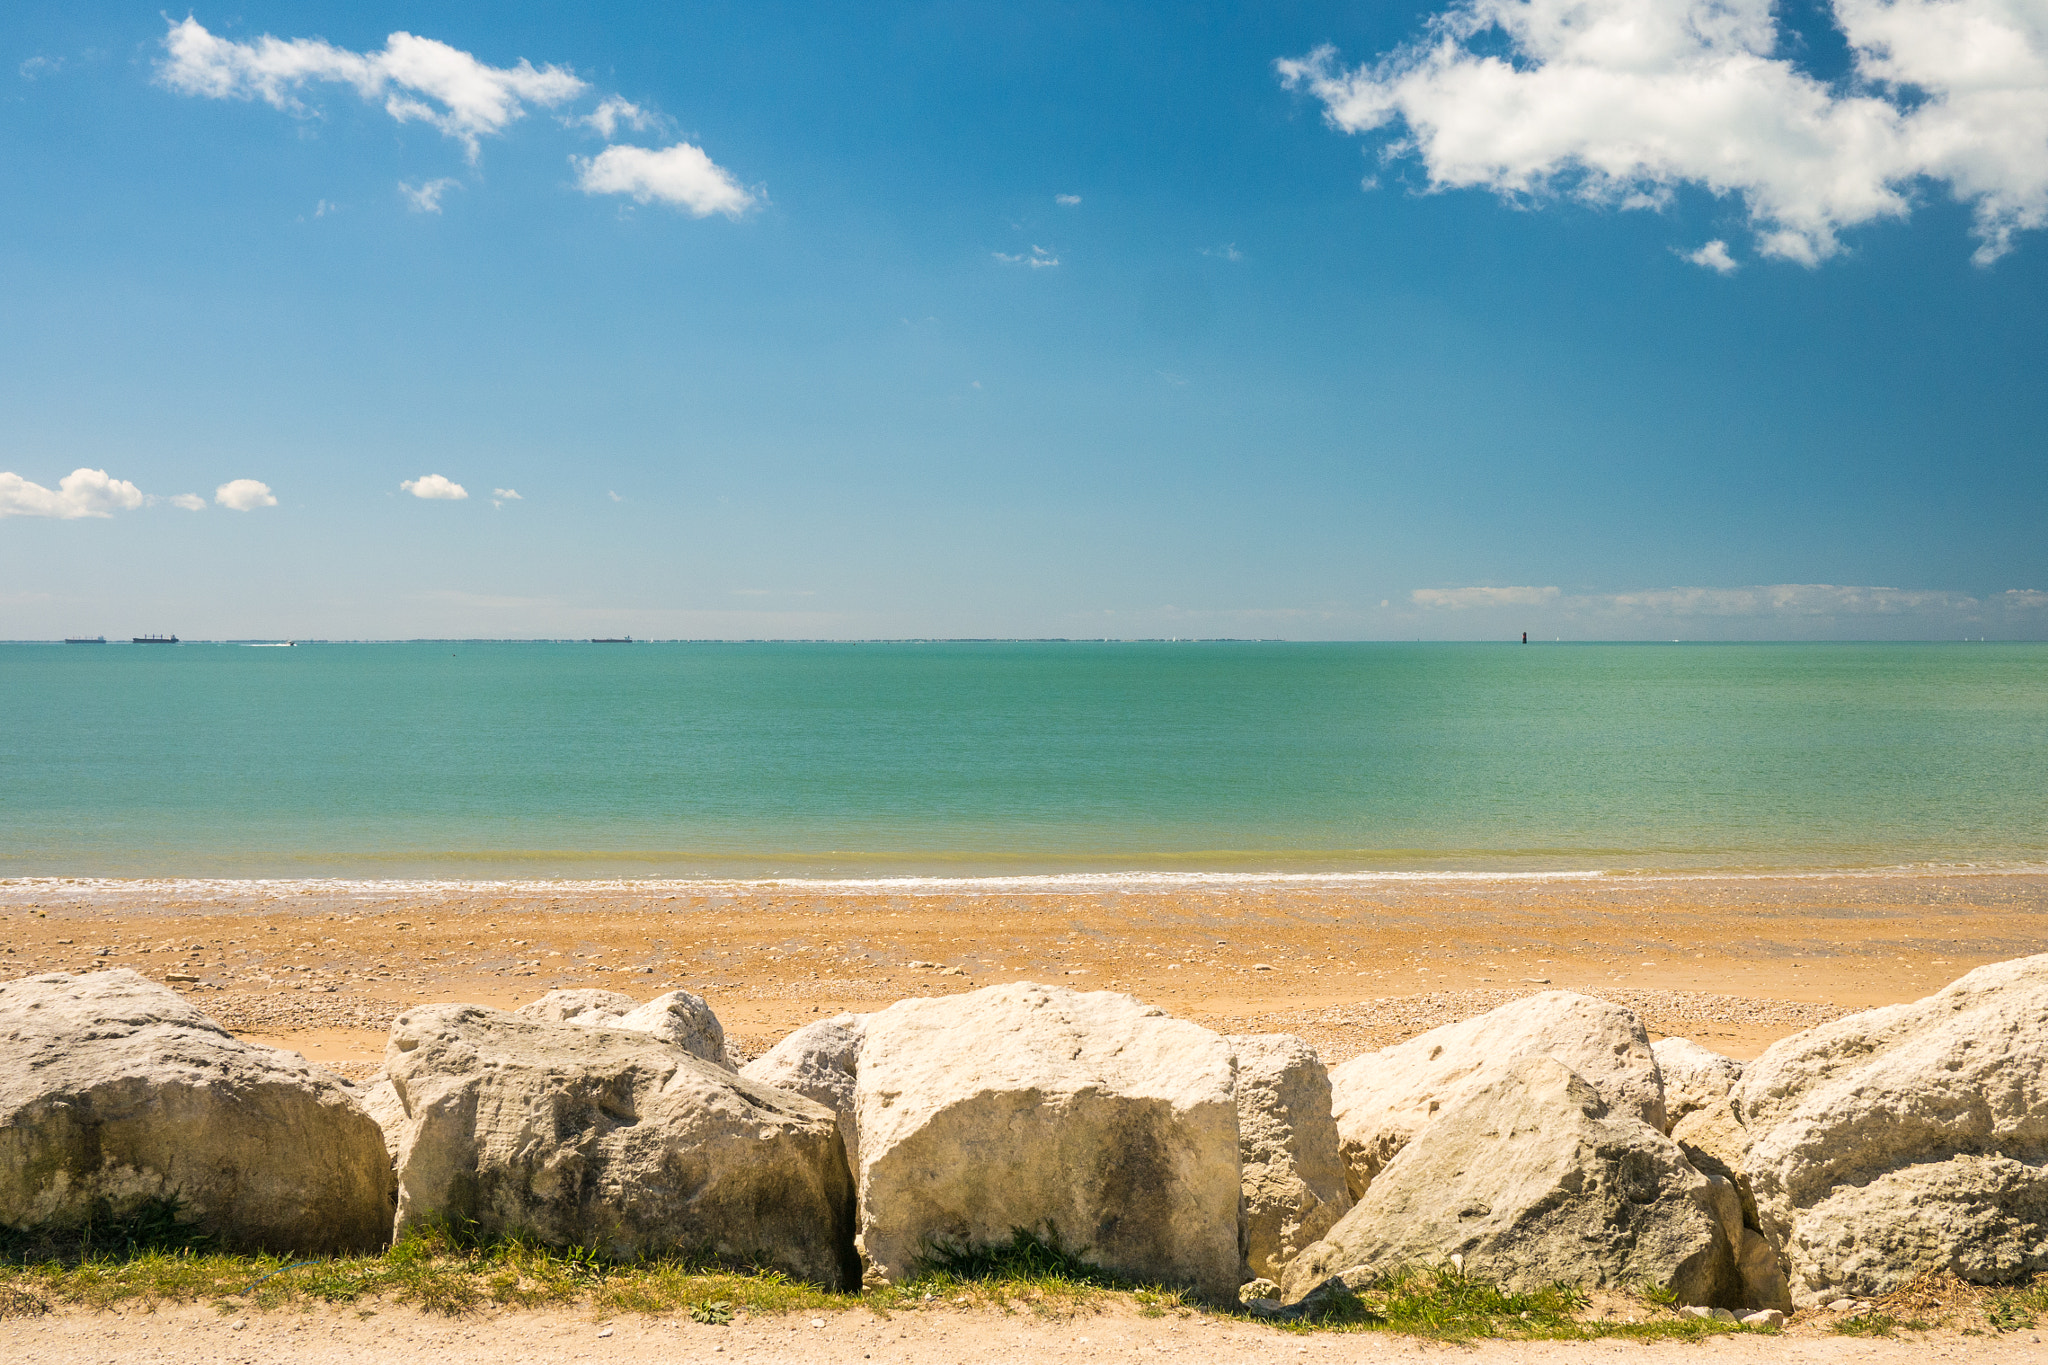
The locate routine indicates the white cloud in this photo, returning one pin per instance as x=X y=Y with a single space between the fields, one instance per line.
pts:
x=1623 y=101
x=35 y=68
x=614 y=496
x=501 y=496
x=81 y=493
x=434 y=486
x=418 y=79
x=1713 y=256
x=188 y=502
x=1227 y=252
x=681 y=176
x=426 y=197
x=1039 y=258
x=244 y=495
x=612 y=111
x=1459 y=599
x=1067 y=200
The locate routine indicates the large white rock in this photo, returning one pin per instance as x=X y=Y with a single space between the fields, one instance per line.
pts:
x=1907 y=1139
x=608 y=1138
x=1027 y=1106
x=1385 y=1099
x=1291 y=1173
x=1533 y=1177
x=114 y=1088
x=819 y=1062
x=584 y=1005
x=1694 y=1077
x=678 y=1018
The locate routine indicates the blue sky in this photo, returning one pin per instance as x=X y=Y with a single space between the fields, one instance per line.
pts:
x=1023 y=320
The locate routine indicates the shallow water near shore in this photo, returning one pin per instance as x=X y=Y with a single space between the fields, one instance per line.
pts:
x=1080 y=761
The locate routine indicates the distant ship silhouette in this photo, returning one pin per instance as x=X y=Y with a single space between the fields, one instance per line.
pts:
x=154 y=640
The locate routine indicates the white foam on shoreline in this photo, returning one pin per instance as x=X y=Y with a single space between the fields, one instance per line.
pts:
x=16 y=889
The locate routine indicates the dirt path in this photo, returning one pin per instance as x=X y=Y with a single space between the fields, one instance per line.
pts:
x=345 y=1337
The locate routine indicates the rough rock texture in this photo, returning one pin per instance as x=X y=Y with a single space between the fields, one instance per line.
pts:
x=608 y=1138
x=1384 y=1099
x=1026 y=1106
x=1292 y=1176
x=114 y=1088
x=1716 y=1144
x=1534 y=1177
x=679 y=1018
x=819 y=1061
x=577 y=1007
x=380 y=1101
x=1907 y=1139
x=682 y=1020
x=1694 y=1077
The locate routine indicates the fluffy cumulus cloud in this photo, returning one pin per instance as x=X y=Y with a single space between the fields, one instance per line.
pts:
x=682 y=177
x=244 y=495
x=417 y=79
x=1624 y=101
x=81 y=493
x=187 y=502
x=433 y=486
x=422 y=80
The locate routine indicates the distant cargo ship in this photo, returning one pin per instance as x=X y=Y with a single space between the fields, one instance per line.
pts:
x=155 y=640
x=85 y=639
x=614 y=640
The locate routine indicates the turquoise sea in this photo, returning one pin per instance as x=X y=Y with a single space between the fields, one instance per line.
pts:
x=829 y=760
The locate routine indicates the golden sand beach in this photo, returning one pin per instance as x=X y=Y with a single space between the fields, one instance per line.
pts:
x=1734 y=962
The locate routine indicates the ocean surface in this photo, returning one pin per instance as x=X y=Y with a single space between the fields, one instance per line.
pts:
x=494 y=760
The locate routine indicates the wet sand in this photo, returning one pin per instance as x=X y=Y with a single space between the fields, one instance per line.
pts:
x=1734 y=962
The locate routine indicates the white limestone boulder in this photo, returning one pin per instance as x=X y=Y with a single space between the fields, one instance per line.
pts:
x=1907 y=1139
x=115 y=1089
x=819 y=1062
x=678 y=1018
x=1534 y=1177
x=1384 y=1100
x=586 y=1006
x=609 y=1138
x=1290 y=1171
x=1027 y=1106
x=1694 y=1076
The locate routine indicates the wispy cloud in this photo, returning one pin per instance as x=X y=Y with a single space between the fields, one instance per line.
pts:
x=1622 y=102
x=1227 y=252
x=1039 y=258
x=81 y=493
x=501 y=496
x=35 y=68
x=244 y=495
x=1793 y=608
x=426 y=197
x=418 y=79
x=1067 y=201
x=435 y=487
x=187 y=502
x=682 y=176
x=611 y=112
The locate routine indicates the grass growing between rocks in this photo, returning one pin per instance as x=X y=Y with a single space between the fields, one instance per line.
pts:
x=1443 y=1303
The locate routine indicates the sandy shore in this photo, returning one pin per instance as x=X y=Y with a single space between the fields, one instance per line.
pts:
x=1735 y=962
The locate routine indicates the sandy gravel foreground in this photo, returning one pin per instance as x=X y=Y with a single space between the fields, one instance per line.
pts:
x=348 y=1337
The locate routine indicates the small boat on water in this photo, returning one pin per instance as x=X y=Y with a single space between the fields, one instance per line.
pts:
x=85 y=639
x=154 y=640
x=614 y=640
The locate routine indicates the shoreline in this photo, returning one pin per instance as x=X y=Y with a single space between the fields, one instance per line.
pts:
x=322 y=965
x=940 y=884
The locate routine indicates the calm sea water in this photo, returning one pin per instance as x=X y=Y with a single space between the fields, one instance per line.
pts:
x=536 y=760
